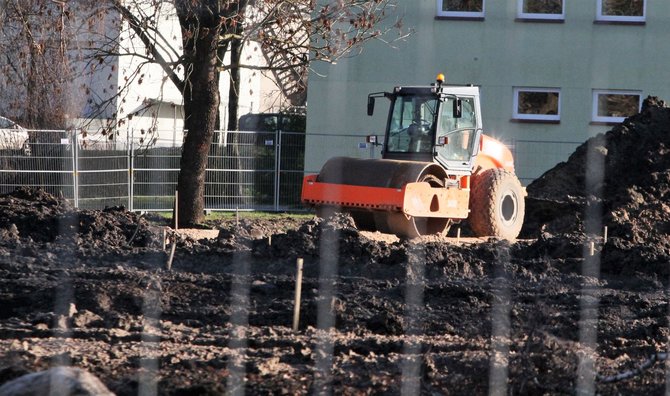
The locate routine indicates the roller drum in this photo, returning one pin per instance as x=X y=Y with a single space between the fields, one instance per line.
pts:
x=388 y=174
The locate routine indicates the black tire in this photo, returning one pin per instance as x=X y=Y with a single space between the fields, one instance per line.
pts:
x=496 y=204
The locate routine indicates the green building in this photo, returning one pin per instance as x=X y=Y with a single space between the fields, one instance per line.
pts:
x=552 y=73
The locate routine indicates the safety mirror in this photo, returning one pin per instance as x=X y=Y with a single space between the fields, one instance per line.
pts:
x=371 y=105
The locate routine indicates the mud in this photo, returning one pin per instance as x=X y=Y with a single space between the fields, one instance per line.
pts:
x=553 y=313
x=619 y=180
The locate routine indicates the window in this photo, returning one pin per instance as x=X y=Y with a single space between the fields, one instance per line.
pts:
x=615 y=106
x=539 y=104
x=621 y=10
x=468 y=117
x=460 y=8
x=541 y=9
x=411 y=128
x=458 y=133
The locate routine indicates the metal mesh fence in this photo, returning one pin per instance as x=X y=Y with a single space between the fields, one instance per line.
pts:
x=154 y=173
x=102 y=178
x=49 y=165
x=241 y=172
x=533 y=157
x=245 y=171
x=290 y=165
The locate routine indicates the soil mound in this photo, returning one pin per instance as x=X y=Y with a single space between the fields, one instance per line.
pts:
x=336 y=237
x=33 y=215
x=620 y=179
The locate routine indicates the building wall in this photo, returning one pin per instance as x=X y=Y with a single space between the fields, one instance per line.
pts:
x=167 y=115
x=154 y=101
x=497 y=53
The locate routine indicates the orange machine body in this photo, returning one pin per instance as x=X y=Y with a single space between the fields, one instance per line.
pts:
x=418 y=199
x=493 y=154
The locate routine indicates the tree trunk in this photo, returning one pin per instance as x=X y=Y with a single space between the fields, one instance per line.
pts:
x=201 y=106
x=234 y=90
x=233 y=124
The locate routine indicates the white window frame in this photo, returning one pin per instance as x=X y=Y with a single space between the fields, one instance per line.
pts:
x=460 y=14
x=528 y=15
x=620 y=18
x=535 y=117
x=594 y=108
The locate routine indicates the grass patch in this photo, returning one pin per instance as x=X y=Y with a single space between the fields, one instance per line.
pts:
x=223 y=216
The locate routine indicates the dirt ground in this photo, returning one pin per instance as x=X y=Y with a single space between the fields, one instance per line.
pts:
x=561 y=310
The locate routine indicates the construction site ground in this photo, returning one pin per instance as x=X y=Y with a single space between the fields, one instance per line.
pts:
x=560 y=310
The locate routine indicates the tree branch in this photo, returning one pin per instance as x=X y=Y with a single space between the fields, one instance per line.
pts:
x=138 y=28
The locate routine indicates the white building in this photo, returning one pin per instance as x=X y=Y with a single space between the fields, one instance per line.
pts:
x=148 y=96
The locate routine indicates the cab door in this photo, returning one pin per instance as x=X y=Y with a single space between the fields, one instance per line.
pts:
x=457 y=137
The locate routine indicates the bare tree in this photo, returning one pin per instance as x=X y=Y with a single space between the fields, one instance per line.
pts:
x=36 y=66
x=290 y=33
x=297 y=31
x=49 y=51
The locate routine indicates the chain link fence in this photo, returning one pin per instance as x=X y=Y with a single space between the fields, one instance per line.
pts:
x=246 y=170
x=534 y=157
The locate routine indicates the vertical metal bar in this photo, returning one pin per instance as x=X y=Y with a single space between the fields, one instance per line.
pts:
x=501 y=307
x=325 y=318
x=75 y=167
x=415 y=285
x=589 y=301
x=278 y=136
x=131 y=175
x=176 y=210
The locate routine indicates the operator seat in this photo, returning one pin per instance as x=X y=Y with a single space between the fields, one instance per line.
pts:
x=419 y=138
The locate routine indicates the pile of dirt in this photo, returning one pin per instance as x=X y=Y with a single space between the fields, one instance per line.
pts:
x=346 y=242
x=32 y=215
x=619 y=180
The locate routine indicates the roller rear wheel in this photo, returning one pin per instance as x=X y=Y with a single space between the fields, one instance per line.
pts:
x=496 y=204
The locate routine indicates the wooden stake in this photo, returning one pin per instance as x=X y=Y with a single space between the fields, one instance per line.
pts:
x=237 y=216
x=298 y=292
x=592 y=248
x=458 y=235
x=169 y=262
x=605 y=235
x=164 y=238
x=270 y=240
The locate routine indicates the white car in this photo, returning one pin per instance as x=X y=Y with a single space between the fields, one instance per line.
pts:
x=13 y=136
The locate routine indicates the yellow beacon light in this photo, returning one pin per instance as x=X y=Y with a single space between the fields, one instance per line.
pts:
x=440 y=78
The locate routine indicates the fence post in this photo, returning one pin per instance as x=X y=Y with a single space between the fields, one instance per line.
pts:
x=131 y=175
x=278 y=136
x=75 y=167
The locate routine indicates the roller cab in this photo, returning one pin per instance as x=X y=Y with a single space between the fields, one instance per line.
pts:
x=432 y=153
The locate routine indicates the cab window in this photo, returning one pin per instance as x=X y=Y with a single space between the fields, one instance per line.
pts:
x=458 y=133
x=411 y=125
